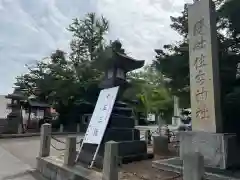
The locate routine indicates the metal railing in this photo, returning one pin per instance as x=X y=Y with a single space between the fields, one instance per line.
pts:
x=60 y=141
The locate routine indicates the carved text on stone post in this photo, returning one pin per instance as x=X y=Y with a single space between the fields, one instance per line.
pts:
x=199 y=66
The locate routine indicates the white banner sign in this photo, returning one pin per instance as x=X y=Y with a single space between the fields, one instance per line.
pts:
x=101 y=115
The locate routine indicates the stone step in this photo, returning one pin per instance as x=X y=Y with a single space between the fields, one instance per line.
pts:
x=175 y=165
x=117 y=121
x=121 y=104
x=125 y=111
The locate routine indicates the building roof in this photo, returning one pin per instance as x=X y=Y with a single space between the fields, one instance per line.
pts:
x=34 y=103
x=16 y=96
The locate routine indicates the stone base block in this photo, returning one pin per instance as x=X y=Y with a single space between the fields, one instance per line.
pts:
x=129 y=151
x=219 y=150
x=160 y=145
x=118 y=121
x=121 y=134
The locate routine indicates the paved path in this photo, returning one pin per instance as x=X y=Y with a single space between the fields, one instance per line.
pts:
x=14 y=169
x=18 y=157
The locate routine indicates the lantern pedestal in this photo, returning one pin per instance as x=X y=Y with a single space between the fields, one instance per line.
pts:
x=120 y=129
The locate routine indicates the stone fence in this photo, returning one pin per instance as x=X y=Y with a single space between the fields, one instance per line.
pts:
x=54 y=169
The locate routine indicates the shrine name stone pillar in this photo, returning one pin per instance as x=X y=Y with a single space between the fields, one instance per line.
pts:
x=204 y=67
x=208 y=135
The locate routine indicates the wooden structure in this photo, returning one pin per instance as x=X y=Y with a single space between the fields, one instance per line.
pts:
x=21 y=105
x=38 y=113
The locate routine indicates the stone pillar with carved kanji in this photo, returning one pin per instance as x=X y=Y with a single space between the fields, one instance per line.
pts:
x=204 y=68
x=208 y=136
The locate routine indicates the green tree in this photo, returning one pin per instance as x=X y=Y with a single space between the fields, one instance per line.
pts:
x=61 y=80
x=88 y=38
x=48 y=78
x=148 y=87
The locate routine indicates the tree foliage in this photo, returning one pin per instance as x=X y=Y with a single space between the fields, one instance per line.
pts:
x=61 y=79
x=148 y=87
x=173 y=60
x=88 y=38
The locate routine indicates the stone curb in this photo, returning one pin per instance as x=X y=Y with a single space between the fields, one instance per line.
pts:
x=166 y=166
x=5 y=136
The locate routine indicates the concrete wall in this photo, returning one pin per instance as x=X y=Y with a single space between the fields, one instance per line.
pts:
x=3 y=113
x=3 y=107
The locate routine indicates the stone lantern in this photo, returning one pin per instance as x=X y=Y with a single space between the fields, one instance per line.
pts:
x=121 y=127
x=116 y=65
x=14 y=118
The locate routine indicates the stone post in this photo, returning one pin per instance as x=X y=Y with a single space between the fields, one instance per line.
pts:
x=148 y=136
x=78 y=127
x=61 y=128
x=110 y=162
x=45 y=140
x=20 y=129
x=161 y=124
x=70 y=151
x=193 y=166
x=176 y=106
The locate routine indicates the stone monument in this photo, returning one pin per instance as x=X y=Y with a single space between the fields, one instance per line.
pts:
x=208 y=137
x=204 y=68
x=121 y=124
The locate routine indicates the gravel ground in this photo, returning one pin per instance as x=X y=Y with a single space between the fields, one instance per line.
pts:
x=143 y=170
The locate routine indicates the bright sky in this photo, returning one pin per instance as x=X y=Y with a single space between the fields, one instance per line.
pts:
x=32 y=29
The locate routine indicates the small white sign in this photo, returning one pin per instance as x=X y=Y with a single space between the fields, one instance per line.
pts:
x=151 y=117
x=101 y=115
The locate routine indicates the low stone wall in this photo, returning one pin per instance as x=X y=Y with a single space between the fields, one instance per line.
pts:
x=54 y=169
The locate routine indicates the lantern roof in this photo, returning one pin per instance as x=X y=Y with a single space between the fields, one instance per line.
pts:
x=125 y=62
x=115 y=57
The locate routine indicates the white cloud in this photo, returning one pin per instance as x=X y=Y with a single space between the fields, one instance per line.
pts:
x=142 y=25
x=31 y=29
